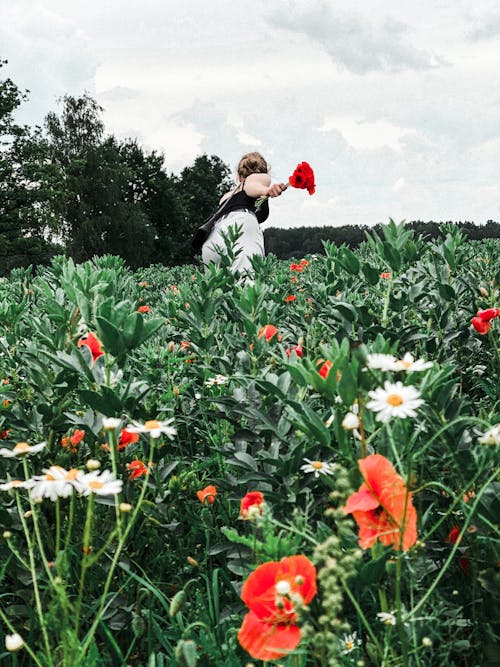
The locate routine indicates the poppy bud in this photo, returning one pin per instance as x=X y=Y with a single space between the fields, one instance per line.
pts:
x=177 y=602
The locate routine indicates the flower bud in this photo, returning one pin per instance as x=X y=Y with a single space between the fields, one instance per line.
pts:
x=192 y=561
x=28 y=514
x=483 y=291
x=93 y=464
x=350 y=421
x=177 y=602
x=171 y=346
x=7 y=534
x=125 y=507
x=13 y=642
x=427 y=642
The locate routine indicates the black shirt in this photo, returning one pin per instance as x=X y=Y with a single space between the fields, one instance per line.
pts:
x=240 y=201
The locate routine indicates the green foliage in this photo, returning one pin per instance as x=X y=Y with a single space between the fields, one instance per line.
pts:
x=166 y=590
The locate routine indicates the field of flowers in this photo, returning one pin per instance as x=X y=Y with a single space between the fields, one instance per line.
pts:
x=302 y=471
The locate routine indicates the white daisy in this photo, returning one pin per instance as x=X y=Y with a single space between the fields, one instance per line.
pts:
x=154 y=427
x=16 y=484
x=217 y=380
x=408 y=364
x=387 y=618
x=491 y=437
x=22 y=449
x=394 y=400
x=56 y=482
x=382 y=362
x=318 y=467
x=350 y=421
x=101 y=483
x=111 y=423
x=350 y=643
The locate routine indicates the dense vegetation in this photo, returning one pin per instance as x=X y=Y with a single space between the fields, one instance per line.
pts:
x=224 y=389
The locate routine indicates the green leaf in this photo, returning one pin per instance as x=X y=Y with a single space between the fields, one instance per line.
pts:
x=347 y=386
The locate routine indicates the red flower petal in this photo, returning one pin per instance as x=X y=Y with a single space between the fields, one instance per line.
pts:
x=480 y=325
x=488 y=314
x=265 y=641
x=361 y=501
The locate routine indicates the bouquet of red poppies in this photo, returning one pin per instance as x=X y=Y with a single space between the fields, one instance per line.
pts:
x=302 y=178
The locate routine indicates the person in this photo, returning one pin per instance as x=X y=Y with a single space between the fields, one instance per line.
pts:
x=240 y=209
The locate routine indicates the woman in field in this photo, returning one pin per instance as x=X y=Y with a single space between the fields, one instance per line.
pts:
x=253 y=182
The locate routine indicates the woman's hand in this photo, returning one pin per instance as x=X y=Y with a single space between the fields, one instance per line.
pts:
x=276 y=189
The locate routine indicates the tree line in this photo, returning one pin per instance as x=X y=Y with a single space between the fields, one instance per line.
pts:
x=68 y=187
x=300 y=241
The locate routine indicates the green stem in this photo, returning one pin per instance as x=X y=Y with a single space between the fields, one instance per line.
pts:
x=431 y=588
x=116 y=556
x=386 y=303
x=85 y=561
x=36 y=590
x=25 y=646
x=113 y=448
x=58 y=527
x=361 y=615
x=38 y=536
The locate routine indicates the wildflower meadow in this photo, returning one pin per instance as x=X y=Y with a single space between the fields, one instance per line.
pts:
x=301 y=471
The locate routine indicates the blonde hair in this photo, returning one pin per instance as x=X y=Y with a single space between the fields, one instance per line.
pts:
x=252 y=163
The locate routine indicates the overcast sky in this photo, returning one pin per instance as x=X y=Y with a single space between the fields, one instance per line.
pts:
x=395 y=104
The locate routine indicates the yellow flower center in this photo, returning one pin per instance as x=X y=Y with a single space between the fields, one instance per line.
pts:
x=152 y=424
x=405 y=364
x=349 y=645
x=21 y=448
x=317 y=465
x=394 y=399
x=16 y=482
x=96 y=485
x=72 y=474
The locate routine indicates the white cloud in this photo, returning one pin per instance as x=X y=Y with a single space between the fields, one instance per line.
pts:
x=358 y=44
x=362 y=134
x=47 y=53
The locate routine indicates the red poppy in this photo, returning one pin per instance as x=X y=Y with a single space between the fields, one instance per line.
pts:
x=453 y=535
x=268 y=331
x=325 y=368
x=303 y=178
x=304 y=262
x=207 y=495
x=185 y=345
x=481 y=326
x=143 y=309
x=488 y=314
x=297 y=349
x=137 y=469
x=91 y=341
x=385 y=275
x=127 y=438
x=290 y=298
x=71 y=442
x=143 y=283
x=383 y=506
x=251 y=505
x=273 y=593
x=463 y=562
x=5 y=433
x=299 y=268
